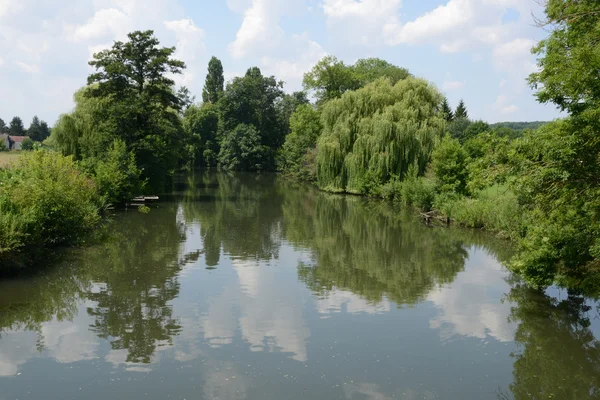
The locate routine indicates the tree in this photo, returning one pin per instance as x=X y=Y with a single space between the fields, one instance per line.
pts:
x=34 y=131
x=45 y=130
x=474 y=129
x=16 y=127
x=461 y=110
x=134 y=82
x=570 y=57
x=449 y=161
x=555 y=169
x=253 y=100
x=3 y=127
x=370 y=69
x=447 y=111
x=201 y=124
x=242 y=149
x=330 y=78
x=288 y=105
x=458 y=127
x=306 y=127
x=213 y=86
x=375 y=134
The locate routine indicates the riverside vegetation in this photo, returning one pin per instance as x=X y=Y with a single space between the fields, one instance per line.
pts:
x=374 y=129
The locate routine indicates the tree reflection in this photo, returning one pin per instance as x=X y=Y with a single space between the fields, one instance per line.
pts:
x=137 y=271
x=367 y=248
x=559 y=355
x=239 y=214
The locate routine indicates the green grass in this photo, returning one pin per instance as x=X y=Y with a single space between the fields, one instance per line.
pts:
x=8 y=158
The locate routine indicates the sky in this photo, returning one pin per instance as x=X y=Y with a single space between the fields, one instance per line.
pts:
x=476 y=50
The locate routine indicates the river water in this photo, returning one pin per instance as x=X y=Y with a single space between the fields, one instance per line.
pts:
x=253 y=287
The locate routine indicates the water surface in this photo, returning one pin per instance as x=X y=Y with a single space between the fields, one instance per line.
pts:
x=251 y=287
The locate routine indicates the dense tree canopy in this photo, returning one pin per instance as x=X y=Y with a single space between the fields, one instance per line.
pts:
x=330 y=77
x=252 y=101
x=376 y=133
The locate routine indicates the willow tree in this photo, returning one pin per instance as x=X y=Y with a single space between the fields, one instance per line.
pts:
x=377 y=133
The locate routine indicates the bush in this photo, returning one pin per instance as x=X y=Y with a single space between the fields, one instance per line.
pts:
x=450 y=162
x=45 y=200
x=27 y=144
x=117 y=177
x=3 y=145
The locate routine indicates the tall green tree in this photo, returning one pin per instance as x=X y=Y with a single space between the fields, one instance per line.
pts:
x=370 y=69
x=201 y=124
x=330 y=78
x=35 y=130
x=252 y=101
x=300 y=145
x=375 y=134
x=569 y=57
x=447 y=111
x=556 y=167
x=16 y=127
x=3 y=127
x=213 y=86
x=135 y=80
x=461 y=110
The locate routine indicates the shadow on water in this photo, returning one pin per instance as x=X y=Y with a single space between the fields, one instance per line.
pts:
x=129 y=282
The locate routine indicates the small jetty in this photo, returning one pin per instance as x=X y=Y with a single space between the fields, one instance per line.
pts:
x=140 y=201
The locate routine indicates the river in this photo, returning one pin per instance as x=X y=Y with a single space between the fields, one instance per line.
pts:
x=253 y=287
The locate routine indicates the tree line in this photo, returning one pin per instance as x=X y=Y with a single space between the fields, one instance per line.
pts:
x=38 y=130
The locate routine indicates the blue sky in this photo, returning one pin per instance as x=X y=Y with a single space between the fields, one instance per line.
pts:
x=478 y=50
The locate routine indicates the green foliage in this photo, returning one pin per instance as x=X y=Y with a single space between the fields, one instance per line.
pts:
x=201 y=125
x=213 y=85
x=377 y=133
x=474 y=129
x=116 y=175
x=3 y=127
x=519 y=126
x=447 y=111
x=27 y=144
x=461 y=111
x=241 y=149
x=253 y=101
x=330 y=78
x=38 y=130
x=449 y=162
x=556 y=171
x=45 y=200
x=458 y=127
x=297 y=150
x=569 y=56
x=16 y=127
x=134 y=84
x=3 y=145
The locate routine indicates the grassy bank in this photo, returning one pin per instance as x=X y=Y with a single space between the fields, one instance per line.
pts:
x=8 y=158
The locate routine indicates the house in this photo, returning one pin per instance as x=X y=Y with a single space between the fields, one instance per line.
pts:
x=17 y=142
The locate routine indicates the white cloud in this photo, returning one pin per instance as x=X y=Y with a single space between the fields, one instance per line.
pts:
x=453 y=85
x=108 y=22
x=503 y=105
x=10 y=7
x=362 y=22
x=260 y=30
x=190 y=48
x=29 y=68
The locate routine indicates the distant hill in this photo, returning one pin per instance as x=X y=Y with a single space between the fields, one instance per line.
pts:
x=519 y=126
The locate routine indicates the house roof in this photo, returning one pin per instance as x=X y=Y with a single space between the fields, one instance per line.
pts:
x=18 y=139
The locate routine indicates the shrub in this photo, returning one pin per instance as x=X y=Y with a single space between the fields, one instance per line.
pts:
x=45 y=200
x=27 y=144
x=449 y=162
x=3 y=145
x=117 y=176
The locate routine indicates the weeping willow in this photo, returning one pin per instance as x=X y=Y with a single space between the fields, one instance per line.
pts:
x=377 y=133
